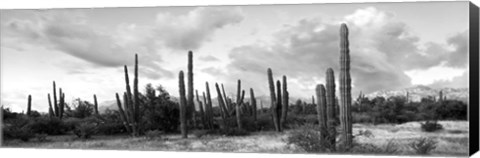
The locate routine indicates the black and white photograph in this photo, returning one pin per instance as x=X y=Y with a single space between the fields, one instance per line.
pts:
x=327 y=78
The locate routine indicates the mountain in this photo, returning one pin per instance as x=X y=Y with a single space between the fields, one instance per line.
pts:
x=418 y=92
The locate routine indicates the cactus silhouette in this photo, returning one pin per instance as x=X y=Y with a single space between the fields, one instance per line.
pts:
x=322 y=112
x=183 y=104
x=331 y=110
x=345 y=89
x=29 y=105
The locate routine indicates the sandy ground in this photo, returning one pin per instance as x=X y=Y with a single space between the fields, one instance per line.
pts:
x=452 y=140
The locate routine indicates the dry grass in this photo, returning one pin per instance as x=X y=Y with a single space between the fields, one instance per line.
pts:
x=452 y=140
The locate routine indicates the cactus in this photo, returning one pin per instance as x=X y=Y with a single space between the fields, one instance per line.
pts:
x=55 y=107
x=183 y=104
x=95 y=104
x=408 y=97
x=61 y=105
x=202 y=112
x=279 y=105
x=208 y=102
x=29 y=105
x=131 y=110
x=322 y=112
x=122 y=112
x=50 y=109
x=440 y=96
x=331 y=110
x=227 y=101
x=273 y=100
x=254 y=105
x=284 y=101
x=136 y=101
x=190 y=102
x=238 y=104
x=221 y=103
x=345 y=89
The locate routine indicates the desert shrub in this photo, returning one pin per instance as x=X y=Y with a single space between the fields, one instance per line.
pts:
x=41 y=137
x=71 y=122
x=81 y=109
x=199 y=133
x=111 y=128
x=300 y=120
x=18 y=128
x=307 y=137
x=234 y=132
x=50 y=126
x=161 y=113
x=153 y=134
x=423 y=145
x=228 y=132
x=7 y=114
x=431 y=126
x=85 y=129
x=264 y=122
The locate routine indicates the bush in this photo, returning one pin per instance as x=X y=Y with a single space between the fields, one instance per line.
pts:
x=200 y=133
x=18 y=128
x=423 y=146
x=150 y=135
x=431 y=126
x=307 y=138
x=71 y=122
x=85 y=129
x=41 y=137
x=111 y=128
x=50 y=126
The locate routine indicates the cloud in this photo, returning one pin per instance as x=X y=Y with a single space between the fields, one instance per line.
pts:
x=70 y=32
x=461 y=81
x=208 y=58
x=381 y=50
x=189 y=31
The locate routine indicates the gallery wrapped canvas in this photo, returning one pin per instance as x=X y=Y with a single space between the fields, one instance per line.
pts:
x=326 y=79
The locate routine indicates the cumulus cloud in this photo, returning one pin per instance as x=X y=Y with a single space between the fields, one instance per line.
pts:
x=190 y=31
x=461 y=81
x=381 y=50
x=208 y=58
x=70 y=32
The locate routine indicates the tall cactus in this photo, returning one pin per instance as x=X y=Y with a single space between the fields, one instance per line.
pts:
x=29 y=105
x=273 y=100
x=345 y=89
x=95 y=104
x=55 y=107
x=202 y=112
x=440 y=96
x=254 y=105
x=190 y=102
x=61 y=105
x=331 y=110
x=221 y=105
x=51 y=113
x=132 y=102
x=183 y=104
x=284 y=101
x=136 y=99
x=122 y=113
x=209 y=106
x=279 y=105
x=322 y=112
x=237 y=106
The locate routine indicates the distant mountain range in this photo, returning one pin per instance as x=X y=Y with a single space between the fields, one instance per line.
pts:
x=416 y=93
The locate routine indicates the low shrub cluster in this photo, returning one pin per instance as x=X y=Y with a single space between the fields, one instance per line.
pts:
x=431 y=126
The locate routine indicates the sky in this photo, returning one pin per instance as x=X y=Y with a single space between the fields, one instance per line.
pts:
x=392 y=46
